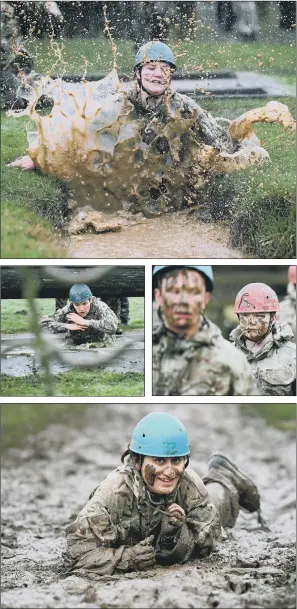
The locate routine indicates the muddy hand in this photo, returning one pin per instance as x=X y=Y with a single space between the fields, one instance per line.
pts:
x=143 y=554
x=24 y=162
x=174 y=519
x=76 y=319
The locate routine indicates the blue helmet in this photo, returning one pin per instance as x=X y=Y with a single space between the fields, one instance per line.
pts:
x=159 y=434
x=154 y=51
x=206 y=271
x=80 y=292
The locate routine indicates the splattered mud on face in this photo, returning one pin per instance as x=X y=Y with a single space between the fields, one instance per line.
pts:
x=254 y=326
x=182 y=298
x=150 y=475
x=162 y=475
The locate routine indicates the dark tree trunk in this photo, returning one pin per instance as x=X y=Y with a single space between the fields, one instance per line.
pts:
x=120 y=281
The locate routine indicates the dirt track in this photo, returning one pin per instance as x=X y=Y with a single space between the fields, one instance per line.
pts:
x=45 y=484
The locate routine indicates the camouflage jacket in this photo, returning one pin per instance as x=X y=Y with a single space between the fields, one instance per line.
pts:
x=205 y=365
x=288 y=312
x=170 y=137
x=103 y=323
x=273 y=366
x=120 y=513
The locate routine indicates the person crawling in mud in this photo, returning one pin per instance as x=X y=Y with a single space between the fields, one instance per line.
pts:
x=288 y=305
x=265 y=340
x=154 y=509
x=190 y=356
x=139 y=146
x=85 y=318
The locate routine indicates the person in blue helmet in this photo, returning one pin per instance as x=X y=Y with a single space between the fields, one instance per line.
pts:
x=84 y=319
x=190 y=355
x=154 y=509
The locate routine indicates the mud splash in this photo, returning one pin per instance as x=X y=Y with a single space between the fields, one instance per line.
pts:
x=47 y=483
x=168 y=236
x=116 y=154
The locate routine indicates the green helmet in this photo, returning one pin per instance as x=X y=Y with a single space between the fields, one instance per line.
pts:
x=155 y=50
x=80 y=292
x=206 y=271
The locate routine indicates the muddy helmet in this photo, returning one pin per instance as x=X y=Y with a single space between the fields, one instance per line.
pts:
x=159 y=434
x=256 y=298
x=292 y=274
x=206 y=271
x=155 y=50
x=80 y=292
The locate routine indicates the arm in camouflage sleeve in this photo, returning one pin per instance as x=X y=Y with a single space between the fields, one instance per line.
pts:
x=56 y=322
x=95 y=545
x=106 y=320
x=195 y=537
x=243 y=382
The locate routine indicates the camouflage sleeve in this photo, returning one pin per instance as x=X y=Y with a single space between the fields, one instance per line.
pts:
x=94 y=543
x=56 y=322
x=211 y=131
x=243 y=382
x=106 y=320
x=195 y=538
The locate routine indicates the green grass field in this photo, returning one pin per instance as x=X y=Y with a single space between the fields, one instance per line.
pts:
x=282 y=416
x=15 y=318
x=77 y=383
x=262 y=214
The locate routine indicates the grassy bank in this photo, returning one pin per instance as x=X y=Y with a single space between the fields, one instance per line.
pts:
x=282 y=416
x=20 y=420
x=15 y=318
x=75 y=383
x=259 y=204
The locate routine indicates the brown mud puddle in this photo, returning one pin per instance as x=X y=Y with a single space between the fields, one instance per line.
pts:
x=172 y=236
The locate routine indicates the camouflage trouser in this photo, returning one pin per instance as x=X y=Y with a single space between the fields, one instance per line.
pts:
x=115 y=305
x=125 y=310
x=224 y=496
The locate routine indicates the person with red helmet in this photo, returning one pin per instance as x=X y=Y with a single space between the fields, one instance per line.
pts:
x=265 y=341
x=288 y=305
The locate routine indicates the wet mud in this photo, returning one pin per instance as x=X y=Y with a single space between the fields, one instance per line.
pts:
x=169 y=236
x=45 y=484
x=22 y=361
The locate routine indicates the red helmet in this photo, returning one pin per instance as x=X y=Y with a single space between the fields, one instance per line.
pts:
x=292 y=274
x=256 y=298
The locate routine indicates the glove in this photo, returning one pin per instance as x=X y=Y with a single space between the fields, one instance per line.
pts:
x=173 y=520
x=141 y=556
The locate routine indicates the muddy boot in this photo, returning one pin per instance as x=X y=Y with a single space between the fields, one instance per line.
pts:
x=220 y=467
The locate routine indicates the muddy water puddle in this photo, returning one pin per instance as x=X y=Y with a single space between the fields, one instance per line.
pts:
x=172 y=236
x=46 y=483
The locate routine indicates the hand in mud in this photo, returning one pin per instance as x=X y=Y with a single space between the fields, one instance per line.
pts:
x=142 y=555
x=72 y=327
x=77 y=319
x=173 y=520
x=24 y=162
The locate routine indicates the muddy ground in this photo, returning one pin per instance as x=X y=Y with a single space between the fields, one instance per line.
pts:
x=169 y=236
x=46 y=483
x=22 y=361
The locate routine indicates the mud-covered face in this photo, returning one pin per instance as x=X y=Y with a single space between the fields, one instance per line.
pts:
x=82 y=308
x=182 y=297
x=155 y=77
x=162 y=474
x=254 y=326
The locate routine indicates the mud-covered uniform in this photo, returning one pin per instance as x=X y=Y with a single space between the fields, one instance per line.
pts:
x=288 y=310
x=13 y=55
x=273 y=366
x=121 y=512
x=204 y=365
x=102 y=326
x=173 y=132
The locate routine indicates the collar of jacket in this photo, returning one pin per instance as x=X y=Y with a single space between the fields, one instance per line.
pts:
x=134 y=96
x=206 y=336
x=281 y=334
